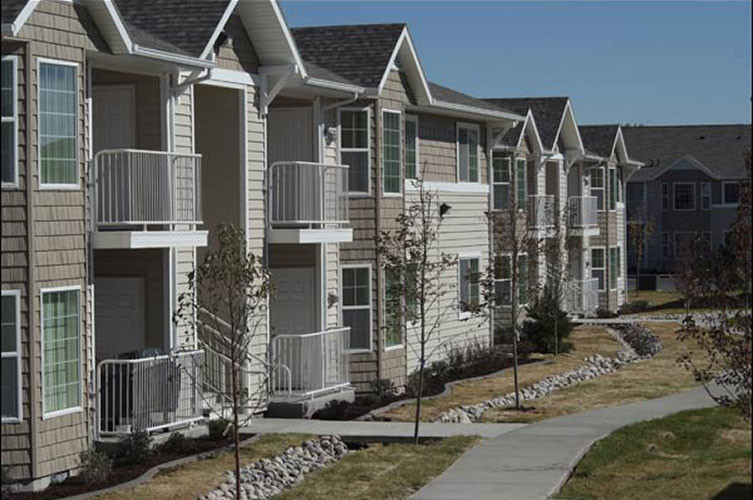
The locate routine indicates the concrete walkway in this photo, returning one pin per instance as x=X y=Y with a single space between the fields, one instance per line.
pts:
x=377 y=430
x=534 y=461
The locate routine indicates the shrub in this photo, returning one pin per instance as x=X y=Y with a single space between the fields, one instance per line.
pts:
x=5 y=480
x=177 y=444
x=96 y=466
x=539 y=326
x=383 y=390
x=605 y=313
x=134 y=448
x=633 y=307
x=217 y=428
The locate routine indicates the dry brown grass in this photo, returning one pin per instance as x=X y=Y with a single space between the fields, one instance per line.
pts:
x=649 y=379
x=586 y=339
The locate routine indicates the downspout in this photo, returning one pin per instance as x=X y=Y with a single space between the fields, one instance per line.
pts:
x=378 y=229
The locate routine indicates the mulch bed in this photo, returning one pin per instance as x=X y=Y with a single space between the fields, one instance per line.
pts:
x=120 y=474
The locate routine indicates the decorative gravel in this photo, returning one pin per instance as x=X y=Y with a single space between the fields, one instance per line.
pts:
x=638 y=343
x=269 y=477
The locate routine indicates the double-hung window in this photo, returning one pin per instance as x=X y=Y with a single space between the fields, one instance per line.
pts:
x=521 y=183
x=614 y=267
x=354 y=148
x=11 y=356
x=612 y=188
x=467 y=146
x=598 y=267
x=501 y=182
x=469 y=283
x=61 y=350
x=391 y=157
x=684 y=195
x=665 y=196
x=730 y=193
x=356 y=305
x=503 y=280
x=665 y=245
x=393 y=296
x=596 y=187
x=9 y=122
x=523 y=279
x=58 y=156
x=705 y=196
x=411 y=147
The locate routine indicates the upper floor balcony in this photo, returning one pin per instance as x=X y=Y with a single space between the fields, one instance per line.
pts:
x=583 y=215
x=307 y=203
x=583 y=296
x=541 y=212
x=146 y=199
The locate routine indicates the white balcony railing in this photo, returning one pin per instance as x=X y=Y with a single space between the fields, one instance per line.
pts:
x=583 y=296
x=148 y=394
x=147 y=188
x=310 y=363
x=583 y=211
x=304 y=194
x=541 y=211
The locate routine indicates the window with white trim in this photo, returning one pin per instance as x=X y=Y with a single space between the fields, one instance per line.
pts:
x=9 y=122
x=612 y=188
x=521 y=183
x=665 y=245
x=730 y=193
x=467 y=147
x=356 y=305
x=61 y=350
x=501 y=177
x=11 y=356
x=469 y=282
x=620 y=185
x=58 y=155
x=598 y=267
x=596 y=186
x=393 y=327
x=706 y=196
x=354 y=148
x=391 y=158
x=411 y=147
x=503 y=280
x=684 y=195
x=665 y=196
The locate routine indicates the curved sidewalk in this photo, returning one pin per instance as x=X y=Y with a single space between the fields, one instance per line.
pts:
x=534 y=461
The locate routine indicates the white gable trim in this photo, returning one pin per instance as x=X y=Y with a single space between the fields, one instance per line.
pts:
x=22 y=17
x=530 y=123
x=207 y=52
x=406 y=38
x=568 y=111
x=690 y=159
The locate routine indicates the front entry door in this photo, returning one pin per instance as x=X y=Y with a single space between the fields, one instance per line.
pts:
x=290 y=133
x=119 y=316
x=114 y=119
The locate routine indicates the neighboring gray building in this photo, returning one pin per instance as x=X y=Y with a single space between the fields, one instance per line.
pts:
x=689 y=188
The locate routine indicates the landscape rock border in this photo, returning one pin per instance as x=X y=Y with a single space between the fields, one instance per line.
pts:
x=266 y=478
x=632 y=336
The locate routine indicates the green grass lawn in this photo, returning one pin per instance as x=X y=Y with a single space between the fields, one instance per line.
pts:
x=699 y=454
x=381 y=472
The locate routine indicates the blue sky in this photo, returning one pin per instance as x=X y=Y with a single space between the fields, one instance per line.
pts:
x=627 y=62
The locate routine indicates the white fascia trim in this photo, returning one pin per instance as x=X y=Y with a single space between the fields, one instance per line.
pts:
x=288 y=38
x=23 y=16
x=531 y=122
x=569 y=110
x=449 y=187
x=405 y=37
x=477 y=111
x=149 y=239
x=185 y=61
x=236 y=77
x=327 y=84
x=207 y=52
x=119 y=25
x=690 y=158
x=390 y=63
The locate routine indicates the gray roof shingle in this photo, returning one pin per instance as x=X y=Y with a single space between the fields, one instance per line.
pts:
x=357 y=53
x=547 y=111
x=721 y=148
x=453 y=96
x=10 y=9
x=599 y=139
x=178 y=26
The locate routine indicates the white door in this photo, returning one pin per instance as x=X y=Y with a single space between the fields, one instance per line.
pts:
x=113 y=116
x=290 y=132
x=119 y=316
x=292 y=308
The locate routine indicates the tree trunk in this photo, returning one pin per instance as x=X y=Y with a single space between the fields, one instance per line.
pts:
x=515 y=364
x=236 y=440
x=556 y=332
x=419 y=396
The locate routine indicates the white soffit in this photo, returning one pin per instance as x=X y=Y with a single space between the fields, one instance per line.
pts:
x=269 y=33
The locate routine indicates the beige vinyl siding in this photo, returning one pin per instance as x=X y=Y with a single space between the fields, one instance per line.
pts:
x=238 y=52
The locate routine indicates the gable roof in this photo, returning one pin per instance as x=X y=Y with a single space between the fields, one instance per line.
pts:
x=549 y=112
x=14 y=13
x=448 y=95
x=359 y=53
x=720 y=148
x=599 y=139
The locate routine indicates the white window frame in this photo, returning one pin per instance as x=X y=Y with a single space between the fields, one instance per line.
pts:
x=613 y=196
x=516 y=199
x=75 y=409
x=403 y=334
x=367 y=149
x=509 y=183
x=604 y=187
x=603 y=268
x=466 y=256
x=508 y=256
x=413 y=119
x=706 y=186
x=369 y=307
x=674 y=196
x=665 y=196
x=17 y=354
x=724 y=194
x=477 y=129
x=14 y=119
x=47 y=186
x=675 y=234
x=384 y=193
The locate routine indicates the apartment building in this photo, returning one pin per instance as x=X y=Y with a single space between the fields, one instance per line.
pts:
x=689 y=188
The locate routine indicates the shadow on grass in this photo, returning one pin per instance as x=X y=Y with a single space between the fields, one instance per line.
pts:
x=735 y=491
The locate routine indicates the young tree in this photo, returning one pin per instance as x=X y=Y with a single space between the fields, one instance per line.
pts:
x=639 y=233
x=414 y=265
x=722 y=282
x=225 y=306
